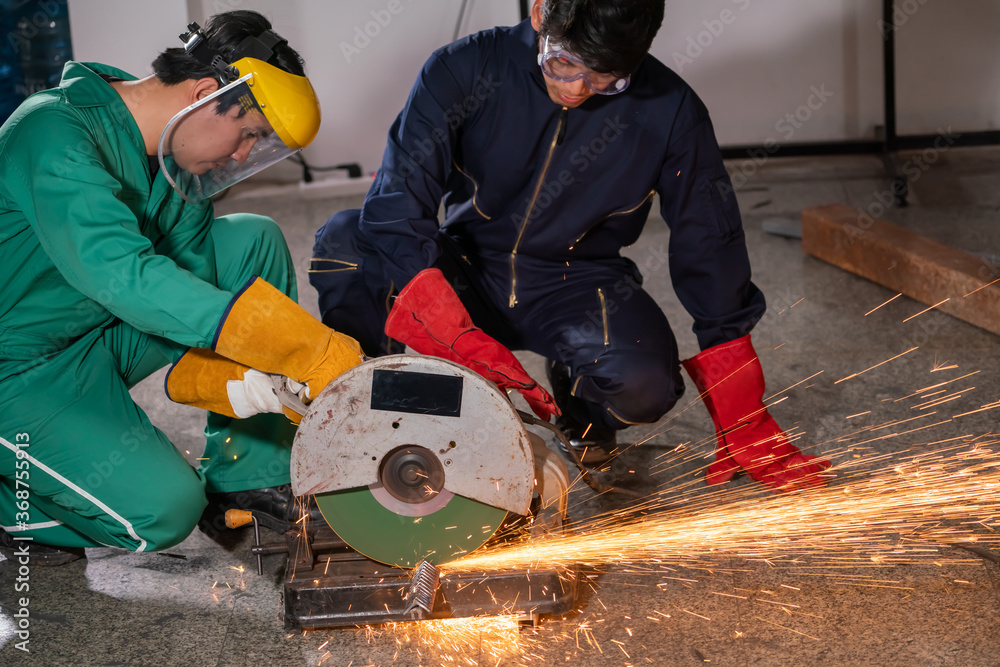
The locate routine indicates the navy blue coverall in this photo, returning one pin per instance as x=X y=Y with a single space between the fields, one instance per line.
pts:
x=538 y=202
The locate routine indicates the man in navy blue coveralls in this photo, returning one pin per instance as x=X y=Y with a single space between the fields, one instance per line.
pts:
x=546 y=142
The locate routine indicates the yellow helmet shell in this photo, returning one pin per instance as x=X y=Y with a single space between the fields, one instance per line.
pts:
x=288 y=101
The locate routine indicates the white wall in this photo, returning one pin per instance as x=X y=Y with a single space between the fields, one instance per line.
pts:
x=755 y=61
x=125 y=33
x=949 y=73
x=362 y=59
x=767 y=69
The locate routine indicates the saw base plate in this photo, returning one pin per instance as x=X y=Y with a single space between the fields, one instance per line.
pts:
x=342 y=588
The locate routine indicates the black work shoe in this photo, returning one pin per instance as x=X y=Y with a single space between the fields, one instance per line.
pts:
x=272 y=502
x=29 y=552
x=593 y=445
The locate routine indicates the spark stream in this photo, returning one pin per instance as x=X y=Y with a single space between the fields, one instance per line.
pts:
x=902 y=513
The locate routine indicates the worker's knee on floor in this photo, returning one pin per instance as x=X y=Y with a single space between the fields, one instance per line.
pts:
x=641 y=396
x=644 y=407
x=180 y=523
x=174 y=514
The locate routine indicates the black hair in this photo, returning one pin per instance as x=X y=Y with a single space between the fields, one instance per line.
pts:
x=223 y=34
x=608 y=35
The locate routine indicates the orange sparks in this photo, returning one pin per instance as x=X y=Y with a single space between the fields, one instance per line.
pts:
x=882 y=304
x=876 y=365
x=979 y=288
x=784 y=628
x=983 y=408
x=927 y=309
x=859 y=521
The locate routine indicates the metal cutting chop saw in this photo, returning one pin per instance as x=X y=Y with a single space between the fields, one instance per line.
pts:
x=415 y=462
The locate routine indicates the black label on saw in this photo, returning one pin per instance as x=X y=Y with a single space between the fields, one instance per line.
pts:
x=420 y=393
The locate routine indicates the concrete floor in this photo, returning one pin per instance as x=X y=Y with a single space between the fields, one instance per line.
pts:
x=209 y=607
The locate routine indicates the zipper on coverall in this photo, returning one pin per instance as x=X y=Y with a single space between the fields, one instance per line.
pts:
x=557 y=138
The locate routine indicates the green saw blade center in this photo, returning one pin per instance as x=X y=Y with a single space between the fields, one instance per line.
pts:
x=456 y=529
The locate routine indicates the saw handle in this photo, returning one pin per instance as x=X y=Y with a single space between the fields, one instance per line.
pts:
x=236 y=518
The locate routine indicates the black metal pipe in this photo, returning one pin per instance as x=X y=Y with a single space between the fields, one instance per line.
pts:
x=889 y=72
x=758 y=152
x=862 y=147
x=956 y=139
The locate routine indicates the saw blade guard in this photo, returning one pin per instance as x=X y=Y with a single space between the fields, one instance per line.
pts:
x=416 y=431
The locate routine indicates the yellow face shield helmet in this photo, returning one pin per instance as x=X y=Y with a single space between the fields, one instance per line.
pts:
x=259 y=116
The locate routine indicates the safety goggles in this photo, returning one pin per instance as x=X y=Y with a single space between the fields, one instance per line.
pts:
x=563 y=66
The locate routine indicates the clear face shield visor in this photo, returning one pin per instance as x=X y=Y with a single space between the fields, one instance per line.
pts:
x=561 y=65
x=236 y=132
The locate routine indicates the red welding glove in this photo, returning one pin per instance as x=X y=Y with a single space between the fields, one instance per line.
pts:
x=731 y=382
x=429 y=317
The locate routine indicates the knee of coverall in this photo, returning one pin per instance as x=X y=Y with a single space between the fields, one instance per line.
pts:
x=173 y=513
x=338 y=236
x=247 y=245
x=638 y=390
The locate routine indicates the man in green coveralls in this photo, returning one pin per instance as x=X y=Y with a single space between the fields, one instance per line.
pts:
x=114 y=265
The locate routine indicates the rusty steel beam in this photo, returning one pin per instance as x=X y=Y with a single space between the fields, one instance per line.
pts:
x=956 y=282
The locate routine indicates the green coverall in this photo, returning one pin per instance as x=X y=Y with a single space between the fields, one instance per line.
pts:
x=108 y=275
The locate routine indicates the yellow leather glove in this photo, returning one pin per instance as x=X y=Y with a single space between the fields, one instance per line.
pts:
x=204 y=379
x=269 y=332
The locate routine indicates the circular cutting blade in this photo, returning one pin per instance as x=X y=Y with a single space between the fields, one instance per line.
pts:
x=456 y=529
